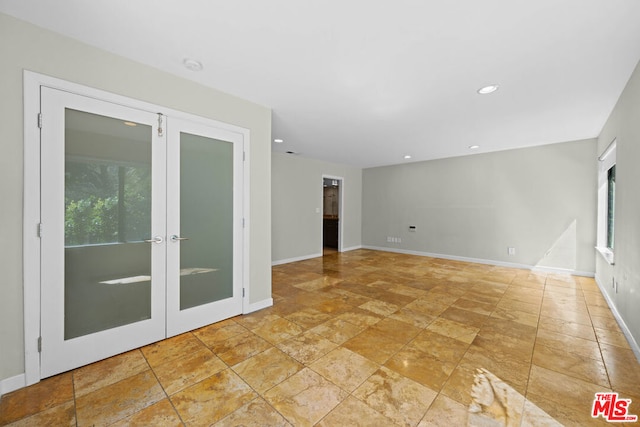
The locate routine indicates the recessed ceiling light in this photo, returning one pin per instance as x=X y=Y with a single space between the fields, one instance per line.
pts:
x=130 y=124
x=278 y=141
x=407 y=157
x=192 y=64
x=488 y=89
x=474 y=147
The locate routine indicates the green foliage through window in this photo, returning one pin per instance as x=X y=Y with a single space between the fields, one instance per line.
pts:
x=106 y=203
x=611 y=206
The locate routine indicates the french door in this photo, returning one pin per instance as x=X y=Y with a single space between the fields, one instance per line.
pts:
x=141 y=228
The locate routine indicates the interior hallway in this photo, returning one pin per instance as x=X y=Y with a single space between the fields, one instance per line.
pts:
x=365 y=338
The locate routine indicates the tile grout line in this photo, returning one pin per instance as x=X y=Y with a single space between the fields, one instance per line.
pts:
x=593 y=327
x=530 y=362
x=75 y=403
x=535 y=343
x=597 y=341
x=162 y=387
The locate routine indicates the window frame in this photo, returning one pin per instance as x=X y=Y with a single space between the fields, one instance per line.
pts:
x=606 y=197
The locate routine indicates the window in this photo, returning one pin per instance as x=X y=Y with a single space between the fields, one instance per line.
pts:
x=106 y=203
x=611 y=205
x=607 y=202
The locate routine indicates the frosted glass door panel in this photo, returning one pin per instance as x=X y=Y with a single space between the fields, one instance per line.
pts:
x=107 y=274
x=206 y=220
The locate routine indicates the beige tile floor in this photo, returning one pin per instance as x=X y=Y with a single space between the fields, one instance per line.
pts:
x=364 y=338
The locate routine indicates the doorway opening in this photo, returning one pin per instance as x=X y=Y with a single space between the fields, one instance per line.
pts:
x=331 y=214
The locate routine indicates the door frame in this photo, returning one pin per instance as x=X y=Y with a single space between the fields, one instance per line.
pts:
x=340 y=211
x=31 y=270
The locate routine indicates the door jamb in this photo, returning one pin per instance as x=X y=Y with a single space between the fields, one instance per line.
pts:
x=31 y=199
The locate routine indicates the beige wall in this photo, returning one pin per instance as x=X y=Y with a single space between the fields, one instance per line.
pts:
x=624 y=125
x=23 y=46
x=538 y=200
x=296 y=193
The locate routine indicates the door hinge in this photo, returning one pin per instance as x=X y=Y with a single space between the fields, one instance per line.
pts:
x=39 y=344
x=160 y=130
x=244 y=156
x=39 y=230
x=242 y=292
x=242 y=222
x=40 y=120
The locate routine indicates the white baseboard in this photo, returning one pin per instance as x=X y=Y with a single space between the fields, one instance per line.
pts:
x=258 y=305
x=305 y=257
x=483 y=261
x=625 y=329
x=10 y=384
x=299 y=258
x=557 y=270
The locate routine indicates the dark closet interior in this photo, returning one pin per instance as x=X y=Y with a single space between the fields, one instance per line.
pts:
x=331 y=216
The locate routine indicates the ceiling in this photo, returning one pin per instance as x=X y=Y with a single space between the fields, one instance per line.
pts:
x=365 y=82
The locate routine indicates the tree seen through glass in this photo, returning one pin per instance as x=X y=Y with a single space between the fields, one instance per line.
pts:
x=611 y=193
x=106 y=203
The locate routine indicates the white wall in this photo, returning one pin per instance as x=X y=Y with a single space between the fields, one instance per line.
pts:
x=538 y=200
x=624 y=125
x=296 y=193
x=24 y=46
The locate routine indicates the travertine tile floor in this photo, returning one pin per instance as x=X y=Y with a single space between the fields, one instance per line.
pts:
x=363 y=338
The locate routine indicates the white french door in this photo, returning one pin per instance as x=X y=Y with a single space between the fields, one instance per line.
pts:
x=204 y=225
x=141 y=228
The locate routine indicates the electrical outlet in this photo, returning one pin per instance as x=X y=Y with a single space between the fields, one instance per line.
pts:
x=511 y=251
x=388 y=239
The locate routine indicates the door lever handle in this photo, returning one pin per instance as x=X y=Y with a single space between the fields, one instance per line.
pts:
x=157 y=239
x=176 y=238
